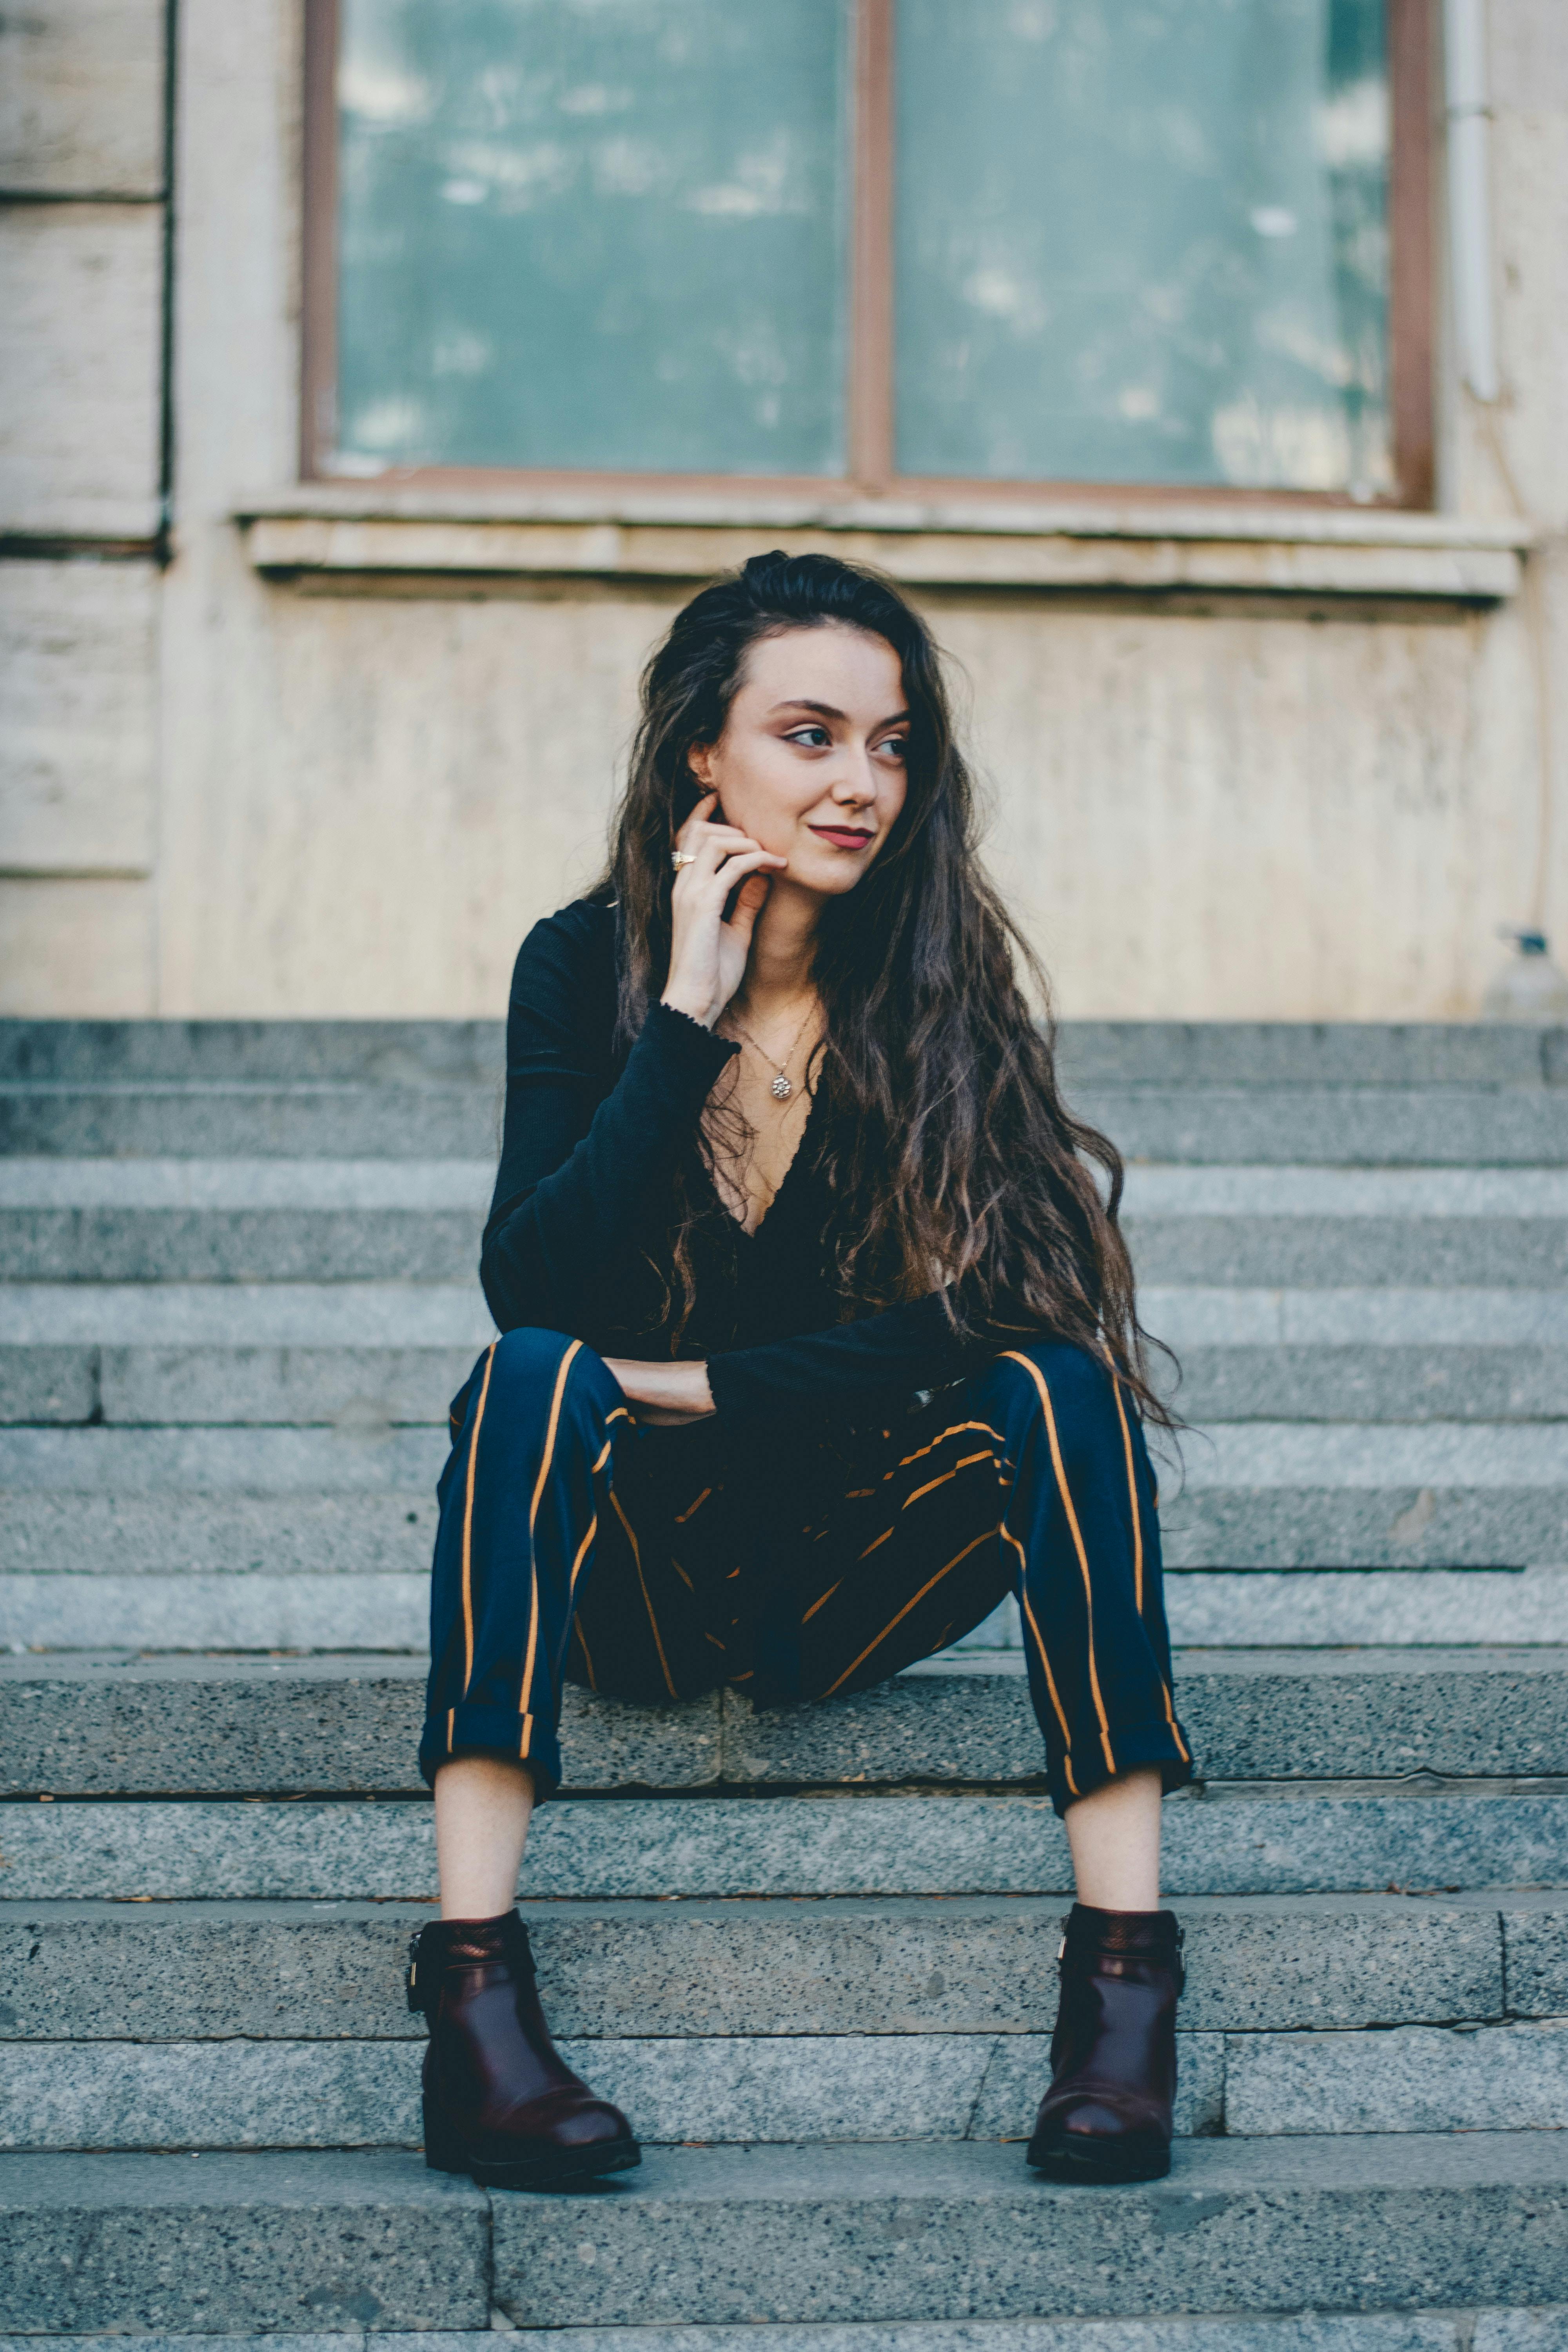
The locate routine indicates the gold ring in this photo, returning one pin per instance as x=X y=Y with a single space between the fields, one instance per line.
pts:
x=679 y=857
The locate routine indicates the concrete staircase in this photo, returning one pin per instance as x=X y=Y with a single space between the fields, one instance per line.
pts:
x=811 y=1950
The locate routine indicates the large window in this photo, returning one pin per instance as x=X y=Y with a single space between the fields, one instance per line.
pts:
x=1171 y=244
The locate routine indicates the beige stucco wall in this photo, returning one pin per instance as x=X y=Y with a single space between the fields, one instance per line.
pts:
x=229 y=794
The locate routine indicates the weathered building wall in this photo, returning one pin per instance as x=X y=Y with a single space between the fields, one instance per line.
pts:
x=231 y=790
x=81 y=163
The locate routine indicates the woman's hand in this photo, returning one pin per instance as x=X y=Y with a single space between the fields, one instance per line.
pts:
x=664 y=1395
x=706 y=954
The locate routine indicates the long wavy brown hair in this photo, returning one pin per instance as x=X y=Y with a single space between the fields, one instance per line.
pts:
x=952 y=1157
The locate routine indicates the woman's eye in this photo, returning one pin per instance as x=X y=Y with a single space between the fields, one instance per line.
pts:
x=897 y=746
x=814 y=737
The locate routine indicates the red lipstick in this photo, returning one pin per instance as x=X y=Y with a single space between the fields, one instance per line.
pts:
x=842 y=836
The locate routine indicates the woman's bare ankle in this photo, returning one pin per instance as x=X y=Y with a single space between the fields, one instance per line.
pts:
x=1114 y=1834
x=483 y=1804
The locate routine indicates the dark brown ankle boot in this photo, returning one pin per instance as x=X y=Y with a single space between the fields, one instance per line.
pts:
x=1107 y=2116
x=500 y=2102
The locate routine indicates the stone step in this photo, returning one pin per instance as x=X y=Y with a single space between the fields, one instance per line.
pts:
x=1367 y=1125
x=757 y=2089
x=387 y=1530
x=398 y=1315
x=966 y=2231
x=202 y=1054
x=154 y=1246
x=1253 y=1839
x=234 y=1187
x=1439 y=1523
x=181 y=1538
x=1262 y=1054
x=1259 y=1249
x=154 y=1387
x=740 y=2090
x=1272 y=1054
x=292 y=1386
x=196 y=1612
x=1374 y=1383
x=1306 y=1194
x=1248 y=1457
x=1370 y=1127
x=169 y=2245
x=1219 y=1316
x=1523 y=1248
x=1330 y=1608
x=357 y=1607
x=275 y=1121
x=1430 y=2331
x=123 y=1724
x=91 y=1971
x=958 y=2231
x=229 y=2242
x=407 y=1315
x=364 y=1460
x=751 y=2022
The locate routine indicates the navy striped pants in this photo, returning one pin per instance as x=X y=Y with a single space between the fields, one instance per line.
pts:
x=576 y=1545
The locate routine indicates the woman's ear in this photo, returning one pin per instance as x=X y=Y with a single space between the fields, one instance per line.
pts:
x=699 y=775
x=688 y=792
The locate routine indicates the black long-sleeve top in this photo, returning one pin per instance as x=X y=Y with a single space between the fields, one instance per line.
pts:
x=579 y=1237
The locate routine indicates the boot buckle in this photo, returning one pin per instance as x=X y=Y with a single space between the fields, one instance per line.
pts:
x=417 y=1996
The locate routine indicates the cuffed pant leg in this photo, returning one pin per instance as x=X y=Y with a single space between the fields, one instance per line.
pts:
x=520 y=1501
x=1080 y=1521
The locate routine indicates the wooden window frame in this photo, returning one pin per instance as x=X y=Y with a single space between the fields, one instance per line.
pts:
x=870 y=392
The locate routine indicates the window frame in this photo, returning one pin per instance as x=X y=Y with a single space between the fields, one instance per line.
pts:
x=871 y=472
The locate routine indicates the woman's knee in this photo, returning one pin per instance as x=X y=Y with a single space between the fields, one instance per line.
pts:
x=1057 y=1377
x=530 y=1368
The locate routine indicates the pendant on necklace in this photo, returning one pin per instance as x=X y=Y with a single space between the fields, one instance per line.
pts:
x=781 y=1088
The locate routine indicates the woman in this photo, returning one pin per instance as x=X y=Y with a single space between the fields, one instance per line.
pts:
x=819 y=1341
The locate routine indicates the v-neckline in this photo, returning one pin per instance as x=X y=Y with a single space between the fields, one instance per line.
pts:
x=754 y=1233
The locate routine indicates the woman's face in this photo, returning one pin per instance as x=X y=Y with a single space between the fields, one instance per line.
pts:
x=812 y=760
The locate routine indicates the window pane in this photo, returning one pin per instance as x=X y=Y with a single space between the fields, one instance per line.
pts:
x=593 y=232
x=1144 y=241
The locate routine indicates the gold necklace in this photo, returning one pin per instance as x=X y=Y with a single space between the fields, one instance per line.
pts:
x=782 y=1087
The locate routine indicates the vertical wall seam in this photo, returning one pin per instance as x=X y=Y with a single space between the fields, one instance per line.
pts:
x=163 y=542
x=166 y=336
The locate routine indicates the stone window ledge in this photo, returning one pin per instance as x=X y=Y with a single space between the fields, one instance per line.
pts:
x=351 y=537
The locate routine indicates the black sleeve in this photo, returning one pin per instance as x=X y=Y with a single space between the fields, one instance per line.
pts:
x=576 y=1160
x=909 y=1347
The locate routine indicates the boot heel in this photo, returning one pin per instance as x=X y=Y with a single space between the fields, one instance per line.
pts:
x=442 y=2152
